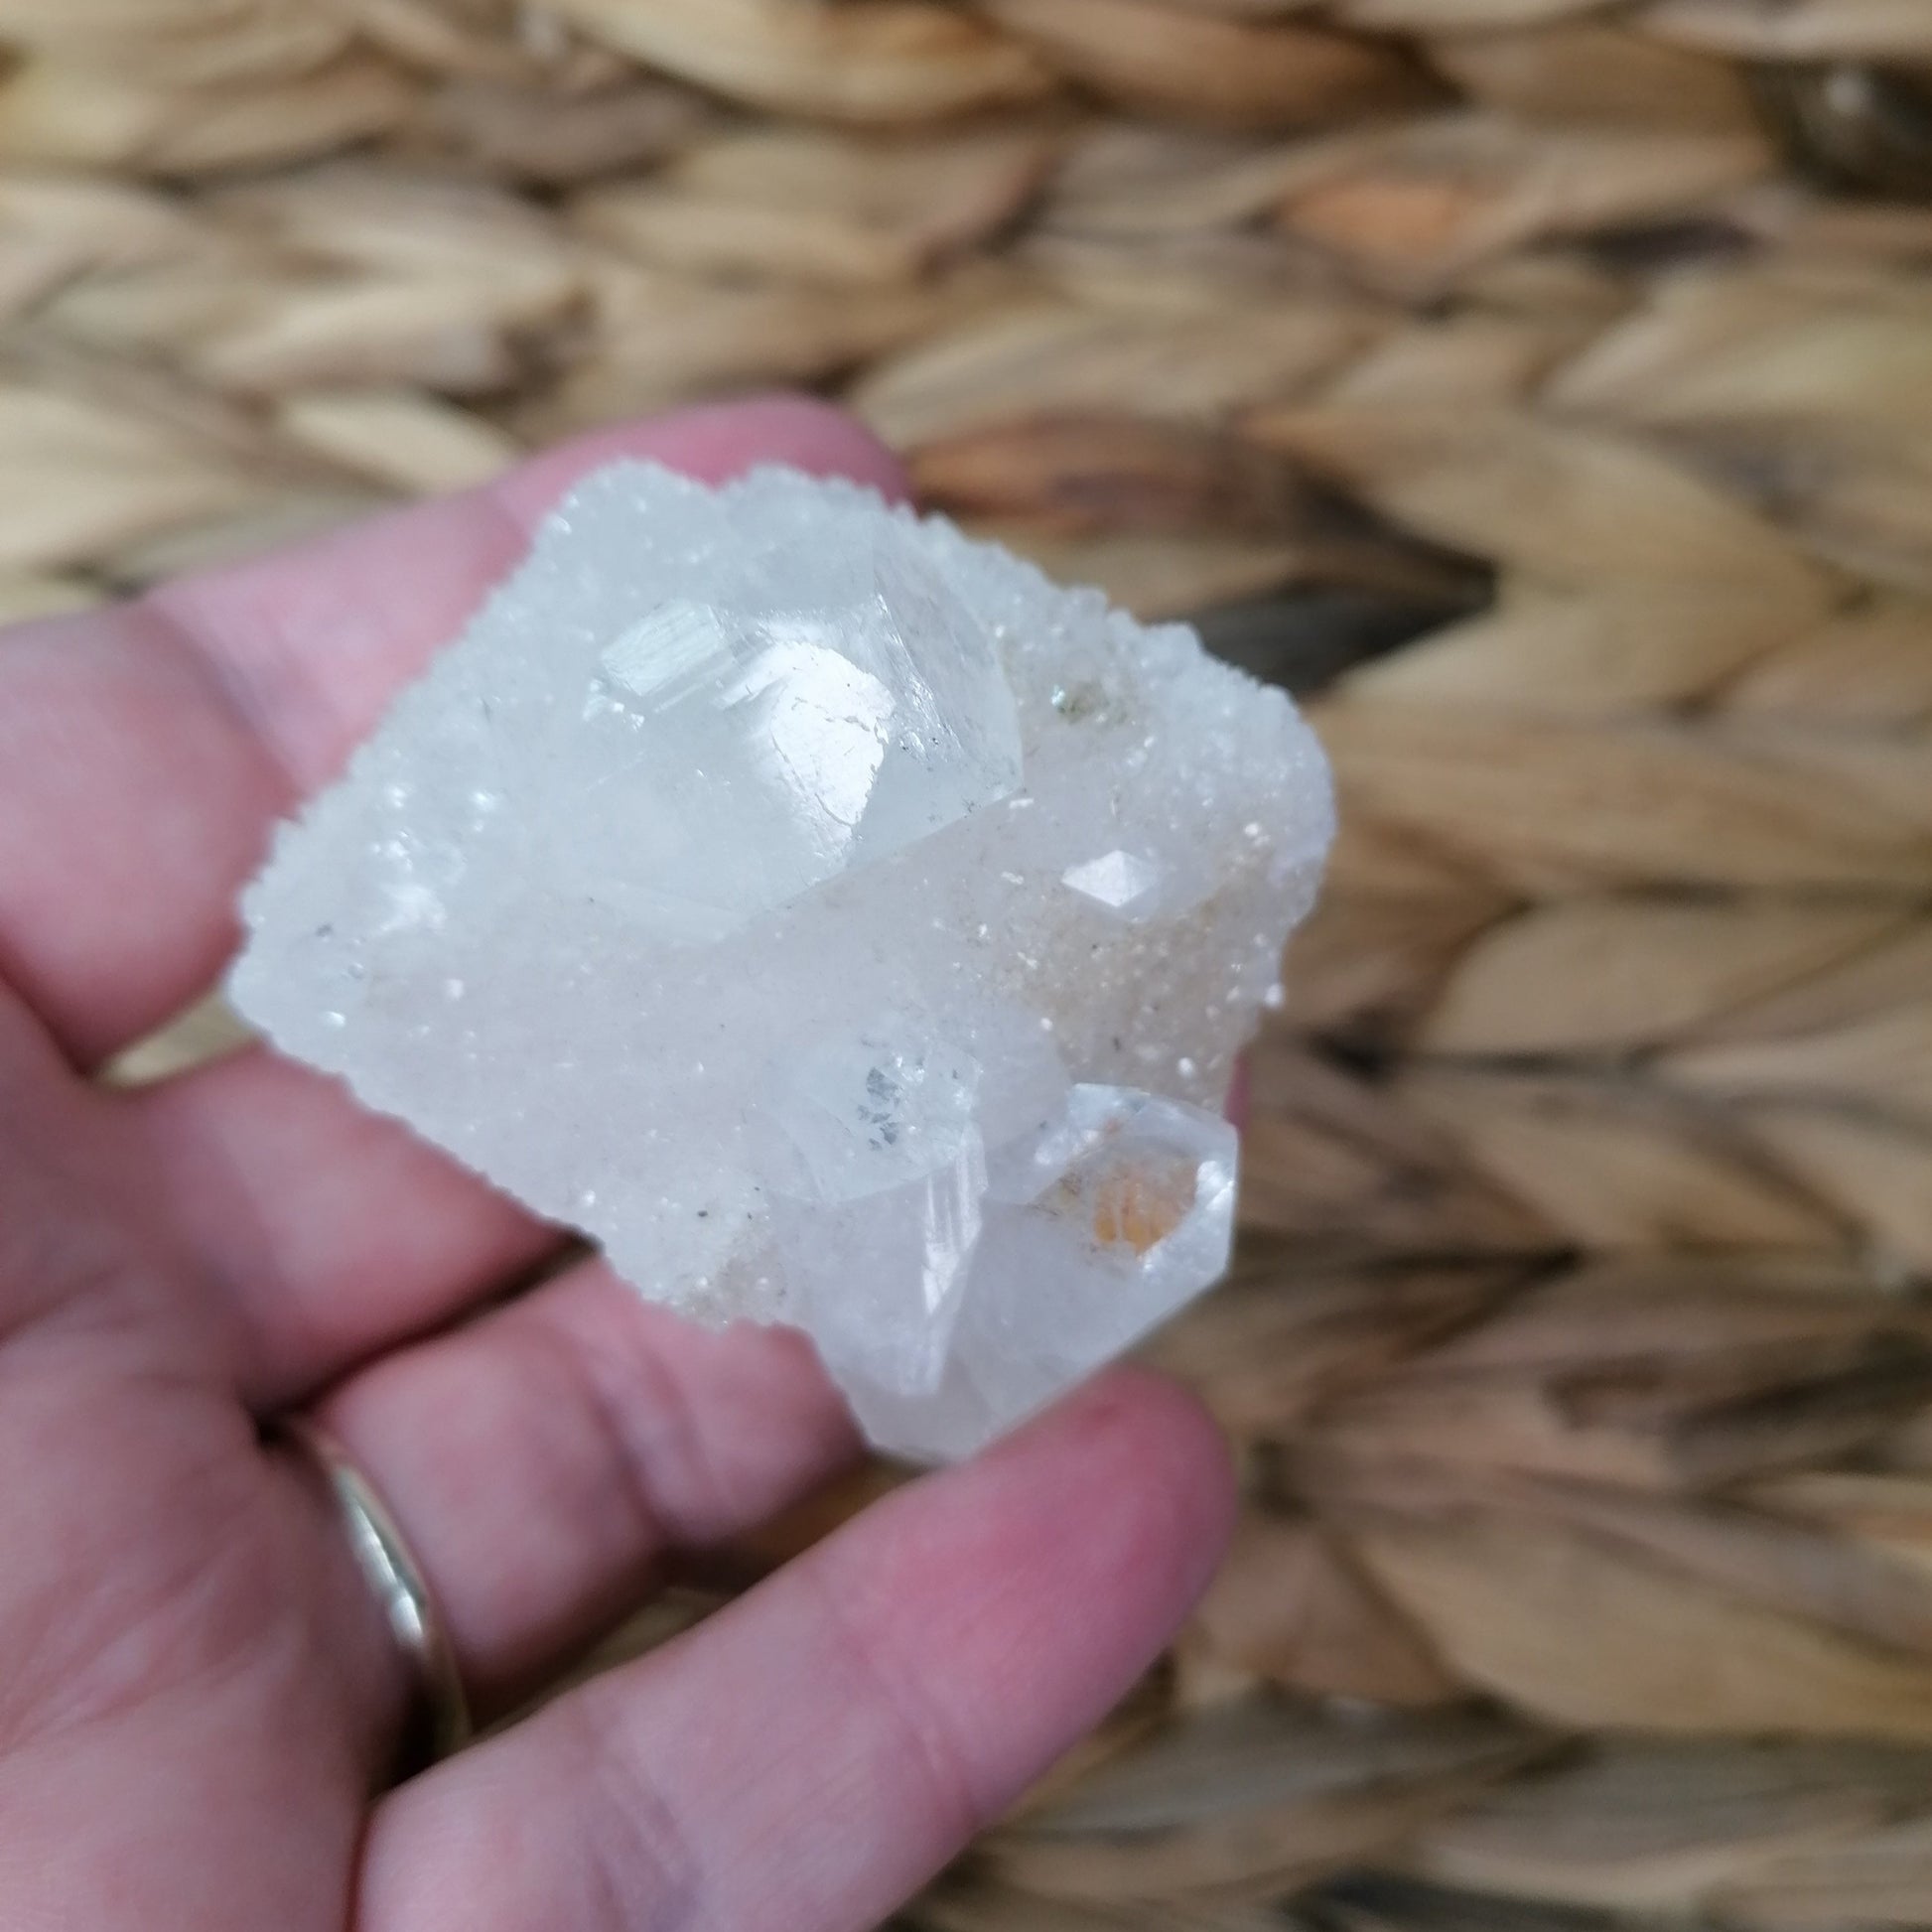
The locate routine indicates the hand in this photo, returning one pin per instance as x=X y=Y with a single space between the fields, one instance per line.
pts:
x=198 y=1693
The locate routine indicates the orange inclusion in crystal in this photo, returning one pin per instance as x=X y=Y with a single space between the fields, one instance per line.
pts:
x=1140 y=1207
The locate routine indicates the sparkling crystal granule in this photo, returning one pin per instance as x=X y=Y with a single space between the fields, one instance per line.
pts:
x=838 y=921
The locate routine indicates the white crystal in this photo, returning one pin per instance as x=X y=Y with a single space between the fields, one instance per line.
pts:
x=729 y=757
x=879 y=1210
x=1095 y=1230
x=805 y=901
x=1122 y=882
x=868 y=1113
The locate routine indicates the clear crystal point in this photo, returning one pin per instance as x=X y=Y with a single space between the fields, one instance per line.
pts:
x=1118 y=1213
x=729 y=756
x=878 y=1207
x=851 y=929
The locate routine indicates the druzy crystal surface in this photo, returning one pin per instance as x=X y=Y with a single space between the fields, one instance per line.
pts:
x=836 y=919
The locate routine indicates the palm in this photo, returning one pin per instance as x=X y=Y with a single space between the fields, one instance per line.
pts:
x=197 y=1693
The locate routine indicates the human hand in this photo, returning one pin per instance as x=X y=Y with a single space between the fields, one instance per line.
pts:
x=198 y=1692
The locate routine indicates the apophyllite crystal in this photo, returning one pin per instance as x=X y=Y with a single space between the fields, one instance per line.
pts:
x=838 y=921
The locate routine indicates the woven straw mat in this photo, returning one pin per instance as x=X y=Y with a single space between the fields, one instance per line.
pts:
x=1543 y=387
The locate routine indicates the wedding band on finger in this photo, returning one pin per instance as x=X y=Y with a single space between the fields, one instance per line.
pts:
x=438 y=1721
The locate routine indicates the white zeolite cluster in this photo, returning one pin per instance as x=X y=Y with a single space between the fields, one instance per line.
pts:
x=838 y=921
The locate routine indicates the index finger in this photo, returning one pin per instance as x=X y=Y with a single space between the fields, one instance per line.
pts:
x=145 y=751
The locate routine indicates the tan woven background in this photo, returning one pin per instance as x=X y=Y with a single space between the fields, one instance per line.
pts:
x=1492 y=360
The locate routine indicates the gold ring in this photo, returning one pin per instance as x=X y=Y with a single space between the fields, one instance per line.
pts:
x=439 y=1718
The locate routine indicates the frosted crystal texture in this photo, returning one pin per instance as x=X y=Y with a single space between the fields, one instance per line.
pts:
x=841 y=922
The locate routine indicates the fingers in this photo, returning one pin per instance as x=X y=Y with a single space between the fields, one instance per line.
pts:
x=814 y=1753
x=58 y=1237
x=145 y=751
x=133 y=802
x=541 y=1460
x=330 y=1233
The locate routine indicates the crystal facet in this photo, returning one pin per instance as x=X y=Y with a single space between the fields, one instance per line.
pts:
x=1122 y=882
x=838 y=921
x=1097 y=1228
x=730 y=757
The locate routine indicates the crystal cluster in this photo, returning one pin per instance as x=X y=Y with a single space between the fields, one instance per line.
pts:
x=841 y=922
